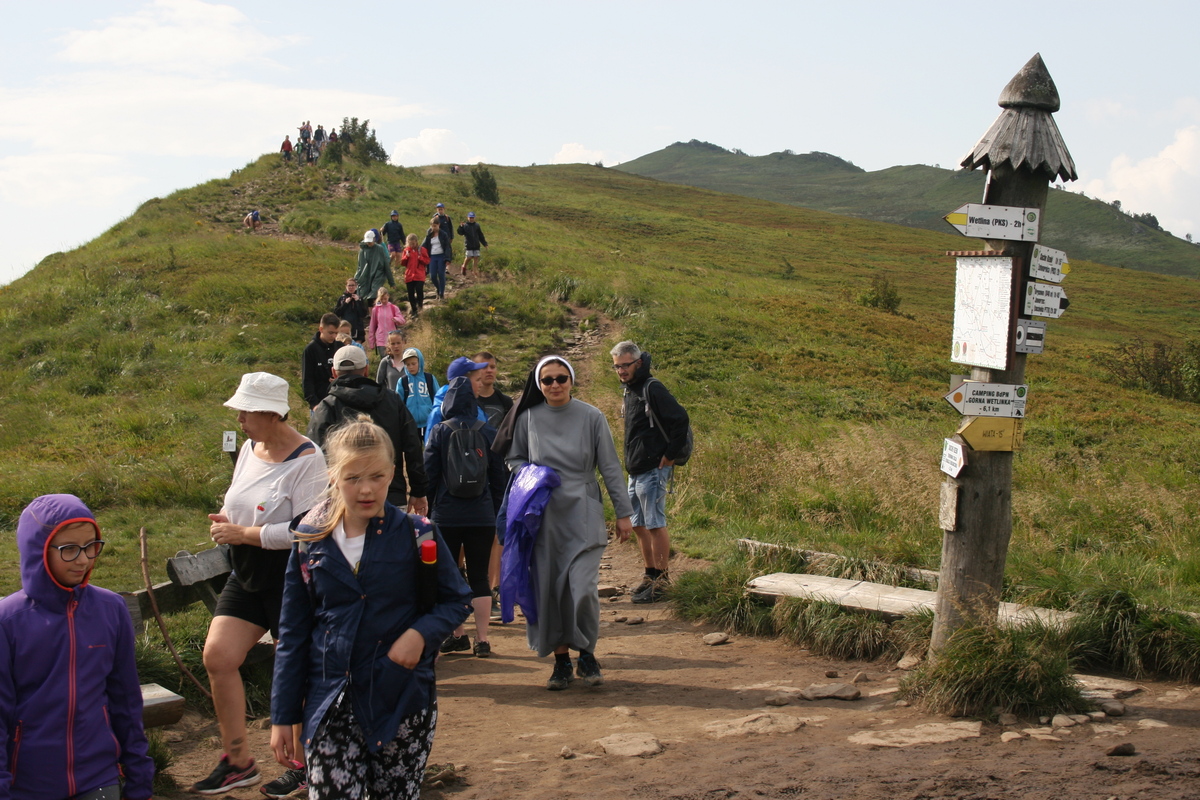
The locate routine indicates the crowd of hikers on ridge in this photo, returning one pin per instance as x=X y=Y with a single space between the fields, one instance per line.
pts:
x=410 y=504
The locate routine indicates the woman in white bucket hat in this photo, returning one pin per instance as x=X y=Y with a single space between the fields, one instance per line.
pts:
x=279 y=475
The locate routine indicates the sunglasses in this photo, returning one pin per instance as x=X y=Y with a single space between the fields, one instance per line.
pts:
x=70 y=552
x=549 y=379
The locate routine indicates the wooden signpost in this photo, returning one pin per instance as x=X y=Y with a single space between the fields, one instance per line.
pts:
x=1023 y=151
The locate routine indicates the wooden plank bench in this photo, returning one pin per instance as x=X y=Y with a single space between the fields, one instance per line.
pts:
x=890 y=601
x=160 y=706
x=194 y=578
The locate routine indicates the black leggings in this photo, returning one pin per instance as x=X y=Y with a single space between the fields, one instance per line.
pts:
x=416 y=295
x=476 y=542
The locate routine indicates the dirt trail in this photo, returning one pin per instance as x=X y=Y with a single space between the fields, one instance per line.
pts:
x=507 y=733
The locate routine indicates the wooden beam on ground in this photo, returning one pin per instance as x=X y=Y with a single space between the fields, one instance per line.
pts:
x=160 y=706
x=891 y=601
x=928 y=577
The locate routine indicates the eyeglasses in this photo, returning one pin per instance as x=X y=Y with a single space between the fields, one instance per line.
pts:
x=549 y=379
x=70 y=552
x=626 y=365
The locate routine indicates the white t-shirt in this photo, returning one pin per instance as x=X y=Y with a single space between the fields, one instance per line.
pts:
x=435 y=246
x=268 y=494
x=352 y=546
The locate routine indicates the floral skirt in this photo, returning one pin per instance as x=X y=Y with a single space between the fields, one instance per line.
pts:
x=340 y=767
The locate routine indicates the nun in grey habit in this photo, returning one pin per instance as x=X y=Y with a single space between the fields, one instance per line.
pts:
x=552 y=429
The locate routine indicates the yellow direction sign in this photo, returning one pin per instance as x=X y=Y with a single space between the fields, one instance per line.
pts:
x=992 y=433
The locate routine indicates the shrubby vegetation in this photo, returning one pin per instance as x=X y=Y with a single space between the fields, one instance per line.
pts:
x=1156 y=367
x=484 y=184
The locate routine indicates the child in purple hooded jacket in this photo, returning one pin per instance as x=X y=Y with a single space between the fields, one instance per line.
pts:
x=70 y=700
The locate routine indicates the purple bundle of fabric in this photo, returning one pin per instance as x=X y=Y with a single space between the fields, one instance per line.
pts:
x=527 y=499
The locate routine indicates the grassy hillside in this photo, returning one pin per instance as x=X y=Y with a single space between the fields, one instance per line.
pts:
x=818 y=421
x=917 y=196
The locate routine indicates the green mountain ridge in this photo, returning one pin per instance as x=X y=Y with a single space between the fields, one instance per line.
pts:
x=917 y=196
x=819 y=421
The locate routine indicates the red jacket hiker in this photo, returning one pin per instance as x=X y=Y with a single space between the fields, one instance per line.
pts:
x=415 y=260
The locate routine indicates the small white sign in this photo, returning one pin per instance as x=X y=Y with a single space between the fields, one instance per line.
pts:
x=1048 y=264
x=1045 y=300
x=229 y=442
x=1031 y=335
x=996 y=222
x=954 y=457
x=977 y=399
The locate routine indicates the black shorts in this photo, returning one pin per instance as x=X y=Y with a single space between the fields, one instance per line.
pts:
x=258 y=608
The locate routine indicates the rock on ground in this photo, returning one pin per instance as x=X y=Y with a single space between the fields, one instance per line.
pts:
x=763 y=722
x=929 y=733
x=631 y=745
x=831 y=691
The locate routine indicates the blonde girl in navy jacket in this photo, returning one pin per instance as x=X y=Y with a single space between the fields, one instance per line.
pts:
x=357 y=641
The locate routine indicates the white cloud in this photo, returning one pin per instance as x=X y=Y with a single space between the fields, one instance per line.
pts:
x=37 y=180
x=575 y=153
x=1166 y=185
x=187 y=36
x=433 y=146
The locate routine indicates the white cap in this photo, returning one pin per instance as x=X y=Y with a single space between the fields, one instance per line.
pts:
x=261 y=391
x=369 y=236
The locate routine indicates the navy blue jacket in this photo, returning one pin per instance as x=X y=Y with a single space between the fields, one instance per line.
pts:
x=460 y=404
x=336 y=628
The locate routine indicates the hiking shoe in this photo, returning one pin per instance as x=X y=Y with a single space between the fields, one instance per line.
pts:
x=642 y=593
x=456 y=644
x=561 y=677
x=655 y=591
x=285 y=784
x=226 y=777
x=482 y=650
x=496 y=614
x=588 y=669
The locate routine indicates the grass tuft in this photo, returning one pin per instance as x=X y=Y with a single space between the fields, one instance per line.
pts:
x=718 y=595
x=1024 y=671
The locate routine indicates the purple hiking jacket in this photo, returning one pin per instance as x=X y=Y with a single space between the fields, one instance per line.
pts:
x=527 y=499
x=70 y=700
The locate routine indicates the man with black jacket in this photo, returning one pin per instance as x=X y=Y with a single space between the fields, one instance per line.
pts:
x=316 y=365
x=652 y=443
x=353 y=393
x=393 y=231
x=474 y=239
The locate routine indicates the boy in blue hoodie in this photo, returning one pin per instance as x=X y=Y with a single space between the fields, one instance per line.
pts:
x=70 y=699
x=416 y=387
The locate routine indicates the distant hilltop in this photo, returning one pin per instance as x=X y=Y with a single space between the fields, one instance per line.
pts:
x=917 y=196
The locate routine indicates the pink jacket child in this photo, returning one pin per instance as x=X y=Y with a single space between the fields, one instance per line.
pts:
x=385 y=318
x=70 y=700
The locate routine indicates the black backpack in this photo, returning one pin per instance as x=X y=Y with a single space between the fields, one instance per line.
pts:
x=466 y=462
x=686 y=452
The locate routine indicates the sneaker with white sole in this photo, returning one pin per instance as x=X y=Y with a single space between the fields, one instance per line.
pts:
x=227 y=777
x=286 y=784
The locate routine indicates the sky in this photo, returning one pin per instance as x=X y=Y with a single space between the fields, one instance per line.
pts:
x=106 y=105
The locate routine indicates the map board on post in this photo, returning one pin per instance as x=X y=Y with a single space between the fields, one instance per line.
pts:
x=982 y=308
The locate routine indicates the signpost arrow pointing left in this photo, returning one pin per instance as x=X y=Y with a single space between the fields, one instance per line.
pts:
x=976 y=399
x=996 y=222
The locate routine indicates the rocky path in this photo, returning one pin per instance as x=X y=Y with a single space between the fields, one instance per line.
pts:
x=678 y=718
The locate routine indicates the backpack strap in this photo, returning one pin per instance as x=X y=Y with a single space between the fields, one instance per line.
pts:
x=429 y=385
